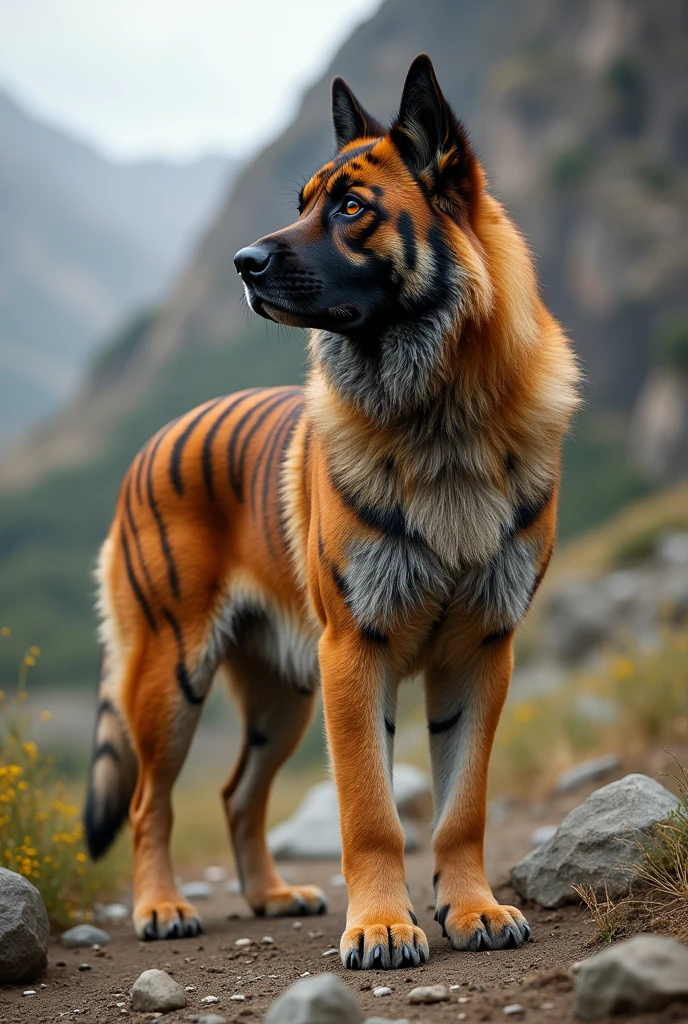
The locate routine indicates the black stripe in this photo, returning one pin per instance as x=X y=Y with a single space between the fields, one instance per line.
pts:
x=255 y=738
x=180 y=444
x=390 y=727
x=321 y=542
x=139 y=474
x=344 y=158
x=526 y=512
x=339 y=581
x=105 y=707
x=164 y=543
x=236 y=473
x=389 y=521
x=182 y=673
x=137 y=540
x=207 y=457
x=408 y=238
x=282 y=442
x=135 y=585
x=499 y=634
x=374 y=635
x=443 y=726
x=267 y=453
x=106 y=749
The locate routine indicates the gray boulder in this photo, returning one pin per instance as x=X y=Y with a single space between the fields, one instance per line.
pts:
x=644 y=973
x=595 y=843
x=84 y=935
x=323 y=999
x=312 y=832
x=155 y=991
x=593 y=770
x=24 y=929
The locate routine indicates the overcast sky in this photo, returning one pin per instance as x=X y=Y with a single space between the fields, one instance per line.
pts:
x=170 y=77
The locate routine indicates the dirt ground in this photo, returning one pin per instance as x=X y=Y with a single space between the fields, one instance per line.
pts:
x=536 y=976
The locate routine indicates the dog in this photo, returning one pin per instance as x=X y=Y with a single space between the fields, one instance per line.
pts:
x=393 y=518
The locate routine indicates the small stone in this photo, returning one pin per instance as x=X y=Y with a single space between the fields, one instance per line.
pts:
x=297 y=924
x=189 y=988
x=215 y=873
x=453 y=988
x=244 y=942
x=382 y=990
x=593 y=770
x=29 y=992
x=324 y=999
x=463 y=999
x=156 y=990
x=236 y=998
x=197 y=890
x=330 y=952
x=24 y=929
x=513 y=1009
x=429 y=994
x=306 y=974
x=84 y=935
x=642 y=974
x=267 y=940
x=84 y=967
x=211 y=999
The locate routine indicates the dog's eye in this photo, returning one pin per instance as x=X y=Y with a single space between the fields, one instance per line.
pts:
x=351 y=207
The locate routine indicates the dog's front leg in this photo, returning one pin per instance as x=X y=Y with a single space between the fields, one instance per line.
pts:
x=464 y=701
x=381 y=929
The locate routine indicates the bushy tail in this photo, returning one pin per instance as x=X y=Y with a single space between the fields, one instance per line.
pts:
x=112 y=774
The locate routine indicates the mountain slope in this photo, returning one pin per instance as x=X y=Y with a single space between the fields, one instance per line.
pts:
x=82 y=242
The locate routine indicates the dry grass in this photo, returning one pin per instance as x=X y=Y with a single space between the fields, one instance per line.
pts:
x=605 y=913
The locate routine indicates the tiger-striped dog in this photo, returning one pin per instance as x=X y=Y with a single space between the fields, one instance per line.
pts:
x=393 y=518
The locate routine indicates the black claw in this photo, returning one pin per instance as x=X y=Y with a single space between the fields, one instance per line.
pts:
x=525 y=930
x=301 y=908
x=259 y=911
x=413 y=917
x=406 y=956
x=321 y=908
x=480 y=941
x=441 y=916
x=352 y=961
x=149 y=933
x=511 y=939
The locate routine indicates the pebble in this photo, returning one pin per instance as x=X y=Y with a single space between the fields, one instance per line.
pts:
x=84 y=967
x=429 y=994
x=156 y=990
x=29 y=992
x=190 y=988
x=84 y=935
x=214 y=999
x=215 y=873
x=238 y=998
x=244 y=942
x=197 y=890
x=382 y=990
x=267 y=940
x=464 y=999
x=330 y=952
x=306 y=974
x=512 y=1009
x=296 y=924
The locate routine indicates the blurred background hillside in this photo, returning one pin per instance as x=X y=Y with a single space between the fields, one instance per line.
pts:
x=120 y=306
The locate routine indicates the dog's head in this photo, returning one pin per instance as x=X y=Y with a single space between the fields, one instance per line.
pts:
x=382 y=227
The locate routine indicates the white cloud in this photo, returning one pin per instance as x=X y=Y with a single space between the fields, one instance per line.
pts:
x=170 y=77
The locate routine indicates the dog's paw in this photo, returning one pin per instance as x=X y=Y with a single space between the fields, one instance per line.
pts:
x=290 y=901
x=384 y=946
x=490 y=927
x=166 y=919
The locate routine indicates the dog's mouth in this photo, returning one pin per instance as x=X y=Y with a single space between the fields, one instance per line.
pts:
x=332 y=318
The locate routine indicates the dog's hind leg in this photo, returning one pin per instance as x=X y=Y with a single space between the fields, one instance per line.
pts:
x=276 y=714
x=162 y=706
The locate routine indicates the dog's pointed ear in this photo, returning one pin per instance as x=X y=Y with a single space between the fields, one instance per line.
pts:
x=432 y=141
x=351 y=121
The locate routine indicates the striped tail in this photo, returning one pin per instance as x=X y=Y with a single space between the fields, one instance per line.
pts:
x=112 y=774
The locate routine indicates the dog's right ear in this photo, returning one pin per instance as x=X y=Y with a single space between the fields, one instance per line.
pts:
x=351 y=121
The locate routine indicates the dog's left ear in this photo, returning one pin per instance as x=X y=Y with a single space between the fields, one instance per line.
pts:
x=432 y=141
x=351 y=121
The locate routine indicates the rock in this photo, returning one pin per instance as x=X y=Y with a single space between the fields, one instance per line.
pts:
x=542 y=834
x=215 y=999
x=84 y=935
x=106 y=912
x=513 y=1009
x=382 y=990
x=24 y=929
x=313 y=830
x=323 y=999
x=243 y=942
x=587 y=771
x=330 y=952
x=595 y=844
x=197 y=890
x=429 y=994
x=644 y=973
x=215 y=873
x=155 y=990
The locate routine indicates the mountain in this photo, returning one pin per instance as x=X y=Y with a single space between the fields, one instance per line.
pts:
x=579 y=114
x=83 y=242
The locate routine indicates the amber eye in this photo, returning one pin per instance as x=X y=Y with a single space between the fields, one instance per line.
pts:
x=351 y=207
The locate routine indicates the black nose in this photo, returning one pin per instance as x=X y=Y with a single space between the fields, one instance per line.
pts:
x=251 y=260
